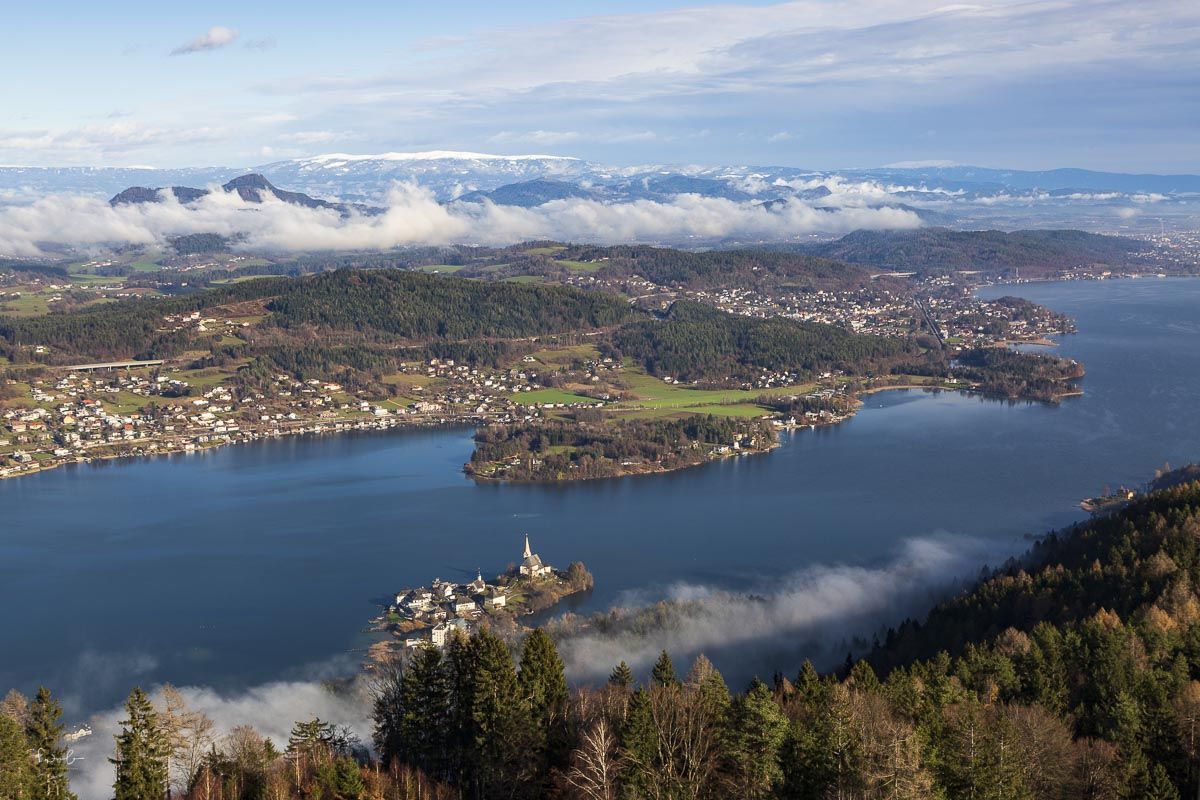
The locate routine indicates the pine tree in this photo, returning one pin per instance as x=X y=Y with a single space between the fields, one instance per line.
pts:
x=44 y=732
x=459 y=661
x=663 y=673
x=388 y=713
x=639 y=744
x=499 y=721
x=756 y=732
x=16 y=764
x=706 y=680
x=863 y=678
x=424 y=713
x=543 y=685
x=808 y=682
x=621 y=676
x=1159 y=787
x=141 y=757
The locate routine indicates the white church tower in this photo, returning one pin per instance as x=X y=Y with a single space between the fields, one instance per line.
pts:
x=531 y=563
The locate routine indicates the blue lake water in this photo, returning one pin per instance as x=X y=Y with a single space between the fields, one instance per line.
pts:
x=260 y=561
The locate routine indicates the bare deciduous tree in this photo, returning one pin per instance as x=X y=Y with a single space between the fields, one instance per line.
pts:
x=596 y=764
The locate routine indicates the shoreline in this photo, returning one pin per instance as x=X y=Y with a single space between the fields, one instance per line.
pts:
x=340 y=427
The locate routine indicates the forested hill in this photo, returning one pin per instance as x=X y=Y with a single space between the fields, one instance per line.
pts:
x=383 y=305
x=423 y=308
x=1035 y=253
x=699 y=343
x=721 y=268
x=1097 y=628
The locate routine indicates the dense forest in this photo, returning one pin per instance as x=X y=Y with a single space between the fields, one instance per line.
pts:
x=936 y=250
x=721 y=268
x=422 y=308
x=375 y=305
x=592 y=447
x=699 y=343
x=1072 y=672
x=1009 y=373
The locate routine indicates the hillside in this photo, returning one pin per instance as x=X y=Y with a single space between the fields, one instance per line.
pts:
x=720 y=268
x=698 y=343
x=374 y=306
x=936 y=250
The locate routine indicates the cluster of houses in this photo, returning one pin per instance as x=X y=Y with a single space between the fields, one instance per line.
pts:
x=433 y=612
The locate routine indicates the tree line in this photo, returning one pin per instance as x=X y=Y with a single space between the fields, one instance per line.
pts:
x=593 y=446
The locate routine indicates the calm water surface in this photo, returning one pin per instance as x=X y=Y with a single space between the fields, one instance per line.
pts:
x=261 y=561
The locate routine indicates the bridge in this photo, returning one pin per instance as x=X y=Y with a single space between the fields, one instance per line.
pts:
x=113 y=365
x=930 y=321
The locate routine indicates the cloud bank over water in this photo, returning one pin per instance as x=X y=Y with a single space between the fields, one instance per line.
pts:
x=811 y=613
x=414 y=217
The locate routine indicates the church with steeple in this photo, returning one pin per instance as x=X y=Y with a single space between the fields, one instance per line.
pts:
x=531 y=564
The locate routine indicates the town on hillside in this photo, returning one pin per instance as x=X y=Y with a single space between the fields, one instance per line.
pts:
x=430 y=614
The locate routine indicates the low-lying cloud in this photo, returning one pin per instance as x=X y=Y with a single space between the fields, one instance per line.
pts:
x=414 y=217
x=812 y=613
x=271 y=709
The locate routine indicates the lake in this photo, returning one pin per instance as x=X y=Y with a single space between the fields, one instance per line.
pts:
x=265 y=561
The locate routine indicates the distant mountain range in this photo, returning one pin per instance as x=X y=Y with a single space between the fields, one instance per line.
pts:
x=252 y=188
x=955 y=196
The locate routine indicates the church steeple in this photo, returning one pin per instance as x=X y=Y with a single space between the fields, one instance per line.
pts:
x=527 y=552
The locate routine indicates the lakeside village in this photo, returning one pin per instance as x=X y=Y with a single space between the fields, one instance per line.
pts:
x=429 y=615
x=56 y=415
x=63 y=415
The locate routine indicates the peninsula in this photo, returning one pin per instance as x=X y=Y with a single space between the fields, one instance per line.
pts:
x=431 y=614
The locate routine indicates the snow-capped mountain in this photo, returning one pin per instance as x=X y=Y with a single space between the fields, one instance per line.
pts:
x=447 y=173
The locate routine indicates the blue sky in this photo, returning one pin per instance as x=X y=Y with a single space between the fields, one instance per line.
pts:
x=1089 y=83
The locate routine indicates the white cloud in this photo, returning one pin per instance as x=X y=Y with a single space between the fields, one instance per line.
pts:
x=815 y=608
x=414 y=216
x=271 y=709
x=886 y=47
x=118 y=136
x=218 y=36
x=565 y=137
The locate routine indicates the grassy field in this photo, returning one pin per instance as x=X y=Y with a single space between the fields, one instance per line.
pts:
x=86 y=280
x=449 y=268
x=654 y=393
x=525 y=279
x=549 y=396
x=241 y=279
x=202 y=379
x=145 y=266
x=545 y=251
x=127 y=402
x=564 y=356
x=580 y=266
x=27 y=305
x=407 y=380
